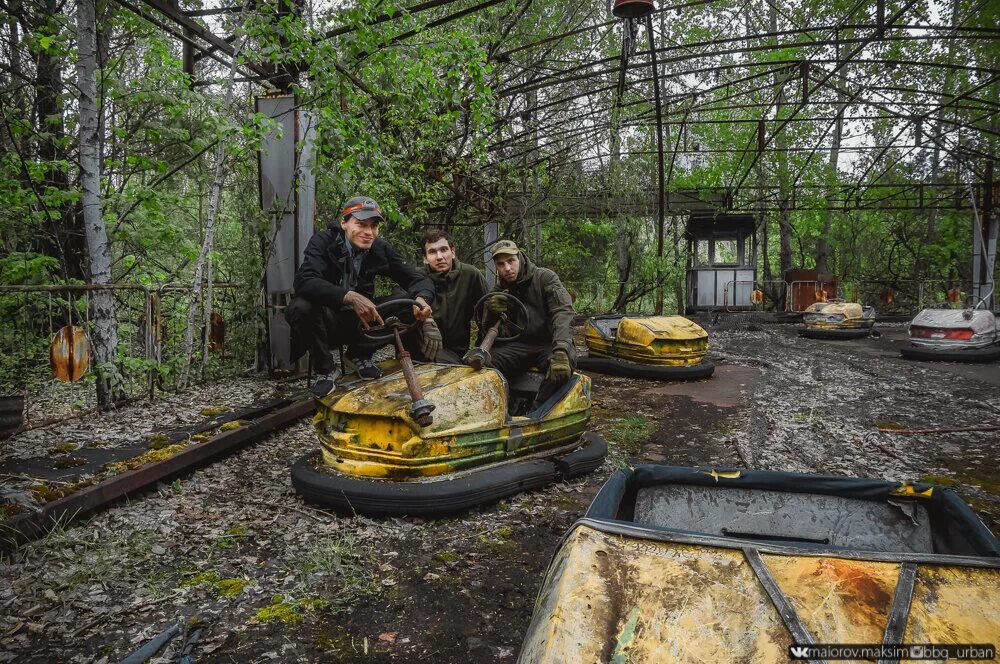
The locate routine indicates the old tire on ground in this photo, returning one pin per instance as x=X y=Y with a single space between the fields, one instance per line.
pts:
x=843 y=335
x=618 y=367
x=986 y=354
x=585 y=459
x=437 y=498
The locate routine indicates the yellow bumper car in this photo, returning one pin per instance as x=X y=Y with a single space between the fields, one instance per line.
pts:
x=432 y=439
x=726 y=565
x=837 y=320
x=656 y=347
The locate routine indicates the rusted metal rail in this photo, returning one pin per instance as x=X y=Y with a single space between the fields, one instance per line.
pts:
x=26 y=527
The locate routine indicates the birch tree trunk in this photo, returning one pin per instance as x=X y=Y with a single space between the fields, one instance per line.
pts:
x=104 y=334
x=215 y=196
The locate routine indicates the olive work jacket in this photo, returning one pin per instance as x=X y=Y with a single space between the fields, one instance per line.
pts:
x=550 y=308
x=455 y=296
x=321 y=276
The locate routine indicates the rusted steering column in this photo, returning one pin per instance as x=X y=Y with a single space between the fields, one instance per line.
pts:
x=421 y=409
x=479 y=357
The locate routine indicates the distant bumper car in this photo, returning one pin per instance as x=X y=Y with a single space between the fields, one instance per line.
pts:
x=954 y=335
x=436 y=439
x=703 y=565
x=837 y=320
x=656 y=347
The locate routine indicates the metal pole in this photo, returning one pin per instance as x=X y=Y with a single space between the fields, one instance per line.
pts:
x=659 y=164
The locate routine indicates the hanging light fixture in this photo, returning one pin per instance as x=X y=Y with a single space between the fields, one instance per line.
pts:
x=633 y=8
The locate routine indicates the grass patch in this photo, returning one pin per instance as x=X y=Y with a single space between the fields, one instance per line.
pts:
x=222 y=587
x=289 y=611
x=232 y=536
x=939 y=480
x=446 y=557
x=120 y=559
x=888 y=424
x=212 y=411
x=340 y=564
x=632 y=431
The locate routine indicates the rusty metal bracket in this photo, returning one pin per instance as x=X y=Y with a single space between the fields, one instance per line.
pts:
x=895 y=626
x=779 y=599
x=90 y=499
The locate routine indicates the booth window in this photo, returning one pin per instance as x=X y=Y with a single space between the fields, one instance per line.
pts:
x=726 y=253
x=701 y=253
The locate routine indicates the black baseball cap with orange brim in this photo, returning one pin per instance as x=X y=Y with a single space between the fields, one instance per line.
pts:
x=362 y=208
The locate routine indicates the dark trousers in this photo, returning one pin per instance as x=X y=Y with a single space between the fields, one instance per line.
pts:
x=323 y=330
x=516 y=357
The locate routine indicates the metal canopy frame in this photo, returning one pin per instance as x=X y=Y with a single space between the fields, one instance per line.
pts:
x=671 y=91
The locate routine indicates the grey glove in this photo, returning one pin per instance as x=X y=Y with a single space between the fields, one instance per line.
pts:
x=560 y=369
x=430 y=339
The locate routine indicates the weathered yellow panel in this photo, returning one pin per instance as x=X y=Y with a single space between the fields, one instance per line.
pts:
x=614 y=599
x=955 y=605
x=366 y=431
x=838 y=600
x=848 y=309
x=464 y=399
x=655 y=340
x=644 y=331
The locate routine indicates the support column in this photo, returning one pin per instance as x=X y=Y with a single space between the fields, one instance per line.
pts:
x=288 y=196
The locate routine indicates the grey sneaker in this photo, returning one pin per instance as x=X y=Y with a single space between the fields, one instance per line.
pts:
x=367 y=369
x=323 y=384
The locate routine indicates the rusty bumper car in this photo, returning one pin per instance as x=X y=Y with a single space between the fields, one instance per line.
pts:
x=837 y=320
x=656 y=347
x=434 y=439
x=703 y=565
x=954 y=335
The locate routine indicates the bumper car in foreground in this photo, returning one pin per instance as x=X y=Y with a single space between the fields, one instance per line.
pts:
x=435 y=439
x=702 y=565
x=954 y=335
x=837 y=320
x=657 y=347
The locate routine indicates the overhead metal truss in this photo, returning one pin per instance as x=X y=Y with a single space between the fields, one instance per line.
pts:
x=670 y=96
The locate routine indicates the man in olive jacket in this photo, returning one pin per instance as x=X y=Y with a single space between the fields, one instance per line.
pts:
x=457 y=288
x=547 y=342
x=335 y=289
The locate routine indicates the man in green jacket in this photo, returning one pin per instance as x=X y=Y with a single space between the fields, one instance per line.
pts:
x=547 y=342
x=457 y=286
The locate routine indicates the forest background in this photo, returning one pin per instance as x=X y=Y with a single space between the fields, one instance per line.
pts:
x=455 y=114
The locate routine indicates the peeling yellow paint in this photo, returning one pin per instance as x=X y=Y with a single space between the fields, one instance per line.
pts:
x=367 y=431
x=955 y=605
x=655 y=340
x=609 y=598
x=853 y=313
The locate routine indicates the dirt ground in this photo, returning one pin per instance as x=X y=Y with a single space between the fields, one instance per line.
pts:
x=230 y=552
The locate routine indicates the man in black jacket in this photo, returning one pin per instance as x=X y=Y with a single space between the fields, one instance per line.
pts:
x=335 y=289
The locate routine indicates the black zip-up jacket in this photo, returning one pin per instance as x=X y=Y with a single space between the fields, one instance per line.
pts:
x=320 y=278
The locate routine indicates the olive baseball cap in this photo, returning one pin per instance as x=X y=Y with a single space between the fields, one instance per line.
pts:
x=504 y=247
x=362 y=207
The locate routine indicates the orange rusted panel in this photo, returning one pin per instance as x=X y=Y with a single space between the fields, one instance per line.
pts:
x=217 y=333
x=837 y=599
x=955 y=605
x=608 y=598
x=69 y=354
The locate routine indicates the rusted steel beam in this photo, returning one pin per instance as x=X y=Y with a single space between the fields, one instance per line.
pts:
x=89 y=499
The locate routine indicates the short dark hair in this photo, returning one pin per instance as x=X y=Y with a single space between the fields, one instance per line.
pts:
x=435 y=234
